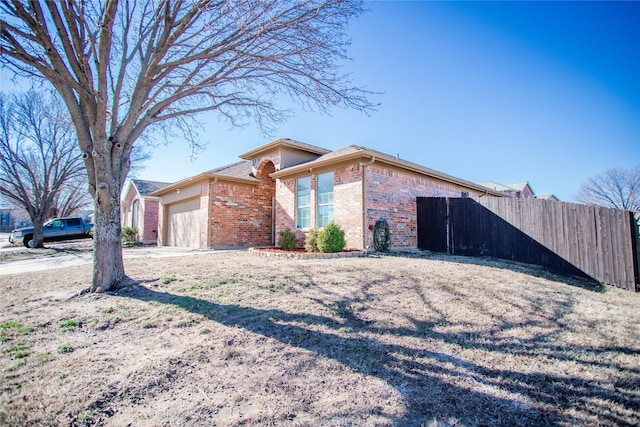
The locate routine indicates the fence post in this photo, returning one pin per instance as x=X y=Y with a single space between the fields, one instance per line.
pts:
x=635 y=247
x=449 y=227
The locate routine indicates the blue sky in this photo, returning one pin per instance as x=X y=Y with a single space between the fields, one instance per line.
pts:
x=545 y=92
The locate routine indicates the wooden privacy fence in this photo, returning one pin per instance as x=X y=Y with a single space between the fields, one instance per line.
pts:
x=589 y=241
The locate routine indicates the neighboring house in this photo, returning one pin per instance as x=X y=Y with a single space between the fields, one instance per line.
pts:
x=549 y=197
x=289 y=184
x=13 y=218
x=519 y=190
x=140 y=209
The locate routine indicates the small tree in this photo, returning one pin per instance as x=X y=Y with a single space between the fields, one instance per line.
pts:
x=40 y=165
x=331 y=238
x=615 y=188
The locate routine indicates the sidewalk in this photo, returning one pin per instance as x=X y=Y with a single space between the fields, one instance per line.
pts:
x=39 y=264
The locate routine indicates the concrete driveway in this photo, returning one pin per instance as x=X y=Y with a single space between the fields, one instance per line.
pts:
x=47 y=263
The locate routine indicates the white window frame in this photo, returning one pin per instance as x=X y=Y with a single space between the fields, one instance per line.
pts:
x=303 y=204
x=325 y=200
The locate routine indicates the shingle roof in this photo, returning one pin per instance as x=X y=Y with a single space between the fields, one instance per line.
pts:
x=339 y=153
x=284 y=142
x=147 y=187
x=241 y=169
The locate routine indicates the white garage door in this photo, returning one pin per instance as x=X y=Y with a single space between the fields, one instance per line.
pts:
x=183 y=224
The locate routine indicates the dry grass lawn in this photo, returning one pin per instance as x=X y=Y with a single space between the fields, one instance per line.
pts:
x=235 y=339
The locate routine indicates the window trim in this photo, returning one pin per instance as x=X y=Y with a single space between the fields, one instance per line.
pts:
x=318 y=195
x=306 y=208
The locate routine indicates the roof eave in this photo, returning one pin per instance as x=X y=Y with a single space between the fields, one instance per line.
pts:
x=249 y=155
x=385 y=158
x=315 y=164
x=171 y=187
x=201 y=177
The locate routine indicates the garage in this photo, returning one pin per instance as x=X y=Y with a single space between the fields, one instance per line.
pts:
x=184 y=222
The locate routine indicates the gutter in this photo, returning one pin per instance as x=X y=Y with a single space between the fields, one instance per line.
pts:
x=200 y=177
x=364 y=199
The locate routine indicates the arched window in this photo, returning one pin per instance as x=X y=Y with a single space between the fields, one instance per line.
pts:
x=134 y=213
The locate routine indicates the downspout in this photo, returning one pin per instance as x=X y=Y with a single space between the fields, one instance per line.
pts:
x=208 y=219
x=364 y=200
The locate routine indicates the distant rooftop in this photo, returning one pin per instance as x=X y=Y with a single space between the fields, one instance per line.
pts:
x=145 y=188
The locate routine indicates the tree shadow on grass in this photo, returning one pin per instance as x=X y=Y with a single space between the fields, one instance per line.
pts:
x=518 y=267
x=435 y=385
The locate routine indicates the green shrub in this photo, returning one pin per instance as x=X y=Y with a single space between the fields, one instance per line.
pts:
x=65 y=348
x=288 y=240
x=168 y=279
x=130 y=235
x=331 y=239
x=70 y=325
x=311 y=241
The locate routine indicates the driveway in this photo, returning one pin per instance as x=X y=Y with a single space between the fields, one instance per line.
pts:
x=47 y=263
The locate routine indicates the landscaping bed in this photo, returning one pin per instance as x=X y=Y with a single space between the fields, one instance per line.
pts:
x=304 y=254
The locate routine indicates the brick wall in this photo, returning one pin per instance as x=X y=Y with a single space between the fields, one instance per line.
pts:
x=149 y=230
x=348 y=203
x=274 y=156
x=285 y=208
x=240 y=214
x=526 y=193
x=391 y=194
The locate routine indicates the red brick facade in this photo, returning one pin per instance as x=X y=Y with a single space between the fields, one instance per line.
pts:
x=242 y=214
x=348 y=199
x=149 y=229
x=391 y=194
x=142 y=213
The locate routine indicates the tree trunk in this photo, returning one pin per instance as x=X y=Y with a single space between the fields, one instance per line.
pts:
x=38 y=233
x=108 y=266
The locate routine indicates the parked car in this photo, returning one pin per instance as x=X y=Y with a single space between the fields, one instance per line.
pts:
x=54 y=229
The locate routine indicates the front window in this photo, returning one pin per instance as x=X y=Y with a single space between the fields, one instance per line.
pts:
x=324 y=199
x=303 y=202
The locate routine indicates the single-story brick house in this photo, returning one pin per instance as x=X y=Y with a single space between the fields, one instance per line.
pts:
x=290 y=184
x=140 y=208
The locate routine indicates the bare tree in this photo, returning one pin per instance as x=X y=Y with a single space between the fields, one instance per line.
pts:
x=39 y=158
x=71 y=198
x=616 y=188
x=124 y=66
